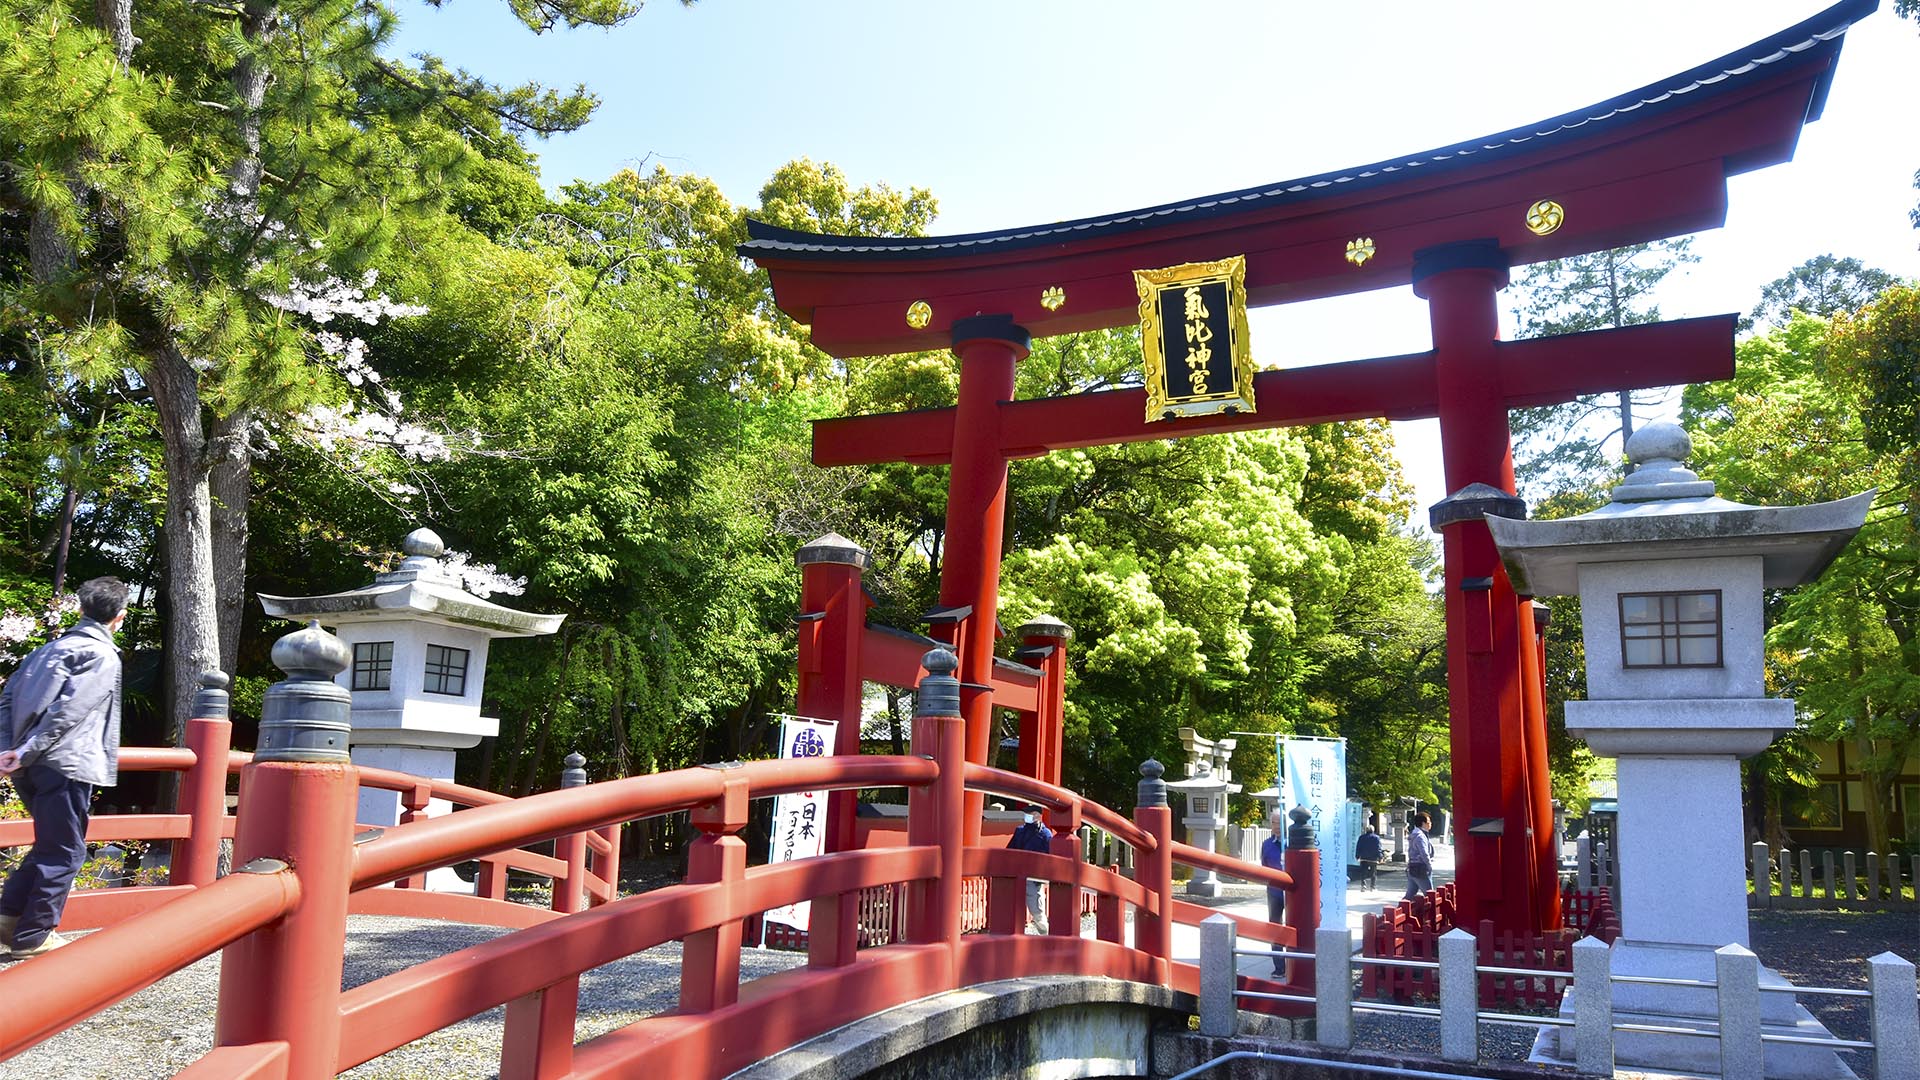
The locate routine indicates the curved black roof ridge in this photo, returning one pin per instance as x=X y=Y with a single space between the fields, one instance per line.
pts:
x=1810 y=39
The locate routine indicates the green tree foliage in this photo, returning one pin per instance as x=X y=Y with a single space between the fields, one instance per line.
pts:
x=1821 y=410
x=1561 y=447
x=178 y=170
x=1822 y=287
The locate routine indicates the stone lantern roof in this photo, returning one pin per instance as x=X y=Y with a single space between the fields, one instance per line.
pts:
x=1664 y=510
x=1203 y=781
x=420 y=589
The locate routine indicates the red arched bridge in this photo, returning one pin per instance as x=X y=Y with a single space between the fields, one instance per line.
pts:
x=301 y=865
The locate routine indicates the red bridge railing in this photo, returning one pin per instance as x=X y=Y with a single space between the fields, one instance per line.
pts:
x=282 y=1013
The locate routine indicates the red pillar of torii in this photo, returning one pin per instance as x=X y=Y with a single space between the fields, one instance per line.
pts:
x=1647 y=164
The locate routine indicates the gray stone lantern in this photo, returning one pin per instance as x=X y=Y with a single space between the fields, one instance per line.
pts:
x=418 y=644
x=1671 y=581
x=1208 y=782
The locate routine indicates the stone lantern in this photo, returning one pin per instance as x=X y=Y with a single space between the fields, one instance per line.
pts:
x=1208 y=783
x=1671 y=581
x=419 y=660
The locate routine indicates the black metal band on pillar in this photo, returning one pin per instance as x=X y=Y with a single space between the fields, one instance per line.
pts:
x=1483 y=254
x=993 y=327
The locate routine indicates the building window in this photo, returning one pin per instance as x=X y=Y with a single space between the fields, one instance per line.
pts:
x=373 y=665
x=446 y=670
x=1670 y=629
x=1816 y=808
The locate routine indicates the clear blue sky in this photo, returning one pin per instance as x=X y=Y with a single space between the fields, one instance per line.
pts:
x=1018 y=112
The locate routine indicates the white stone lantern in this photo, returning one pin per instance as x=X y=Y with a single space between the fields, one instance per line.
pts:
x=419 y=642
x=1208 y=782
x=1671 y=581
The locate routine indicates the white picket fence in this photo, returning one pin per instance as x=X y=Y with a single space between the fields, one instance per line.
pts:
x=1895 y=1023
x=1788 y=879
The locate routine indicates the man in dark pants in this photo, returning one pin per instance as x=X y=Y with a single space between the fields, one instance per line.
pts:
x=1273 y=855
x=1367 y=853
x=1419 y=857
x=1033 y=835
x=60 y=718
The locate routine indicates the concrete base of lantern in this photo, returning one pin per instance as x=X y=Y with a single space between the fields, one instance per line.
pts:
x=382 y=809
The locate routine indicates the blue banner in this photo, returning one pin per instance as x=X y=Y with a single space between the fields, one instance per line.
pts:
x=1314 y=775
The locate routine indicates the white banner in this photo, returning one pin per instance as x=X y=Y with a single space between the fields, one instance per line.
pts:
x=800 y=819
x=1314 y=775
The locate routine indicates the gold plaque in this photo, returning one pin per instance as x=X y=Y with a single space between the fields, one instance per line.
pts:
x=1545 y=216
x=919 y=314
x=1193 y=335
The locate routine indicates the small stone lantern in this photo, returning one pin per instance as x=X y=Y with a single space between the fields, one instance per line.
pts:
x=1671 y=581
x=1208 y=782
x=419 y=659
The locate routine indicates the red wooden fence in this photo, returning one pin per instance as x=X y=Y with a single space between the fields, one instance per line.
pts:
x=1411 y=929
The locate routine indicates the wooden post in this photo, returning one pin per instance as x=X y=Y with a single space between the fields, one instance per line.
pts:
x=298 y=797
x=568 y=893
x=1063 y=898
x=203 y=790
x=1153 y=933
x=710 y=959
x=413 y=803
x=1302 y=861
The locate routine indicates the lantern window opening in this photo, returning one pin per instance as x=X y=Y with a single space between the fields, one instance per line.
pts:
x=373 y=665
x=446 y=671
x=1679 y=629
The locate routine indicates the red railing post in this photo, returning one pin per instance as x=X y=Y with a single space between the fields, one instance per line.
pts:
x=1063 y=898
x=413 y=803
x=298 y=797
x=833 y=623
x=203 y=790
x=571 y=849
x=608 y=866
x=1153 y=934
x=1302 y=862
x=710 y=959
x=937 y=703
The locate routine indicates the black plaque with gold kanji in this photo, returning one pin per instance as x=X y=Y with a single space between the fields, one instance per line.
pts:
x=1193 y=324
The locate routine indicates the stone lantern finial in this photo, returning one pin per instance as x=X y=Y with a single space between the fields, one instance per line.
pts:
x=1658 y=452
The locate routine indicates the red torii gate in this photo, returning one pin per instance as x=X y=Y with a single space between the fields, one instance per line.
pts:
x=1647 y=164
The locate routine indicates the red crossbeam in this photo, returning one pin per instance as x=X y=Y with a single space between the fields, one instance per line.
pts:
x=1536 y=371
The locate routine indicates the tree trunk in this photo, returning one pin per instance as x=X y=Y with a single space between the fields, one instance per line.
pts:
x=622 y=759
x=193 y=629
x=116 y=18
x=230 y=483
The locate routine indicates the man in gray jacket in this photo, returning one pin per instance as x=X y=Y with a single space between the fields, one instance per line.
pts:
x=60 y=717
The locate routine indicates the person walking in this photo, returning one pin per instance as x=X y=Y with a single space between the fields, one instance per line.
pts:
x=1367 y=852
x=1419 y=857
x=60 y=717
x=1273 y=856
x=1033 y=835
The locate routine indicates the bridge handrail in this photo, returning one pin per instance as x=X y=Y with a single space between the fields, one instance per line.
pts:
x=1201 y=858
x=1015 y=863
x=1000 y=781
x=396 y=1009
x=420 y=845
x=100 y=970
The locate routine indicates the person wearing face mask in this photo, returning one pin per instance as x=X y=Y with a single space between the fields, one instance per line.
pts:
x=1033 y=835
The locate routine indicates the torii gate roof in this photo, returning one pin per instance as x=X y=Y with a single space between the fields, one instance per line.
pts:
x=1643 y=165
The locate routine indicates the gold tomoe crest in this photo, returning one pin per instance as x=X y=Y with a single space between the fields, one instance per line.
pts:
x=1193 y=333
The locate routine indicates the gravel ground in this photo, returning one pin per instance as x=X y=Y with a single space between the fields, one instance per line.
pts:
x=162 y=1029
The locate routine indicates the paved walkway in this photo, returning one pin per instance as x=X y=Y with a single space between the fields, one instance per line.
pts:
x=1251 y=901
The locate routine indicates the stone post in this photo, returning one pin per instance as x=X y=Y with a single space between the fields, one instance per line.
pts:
x=1218 y=977
x=1737 y=971
x=1459 y=1003
x=1333 y=987
x=1762 y=863
x=1896 y=1018
x=1593 y=1007
x=282 y=983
